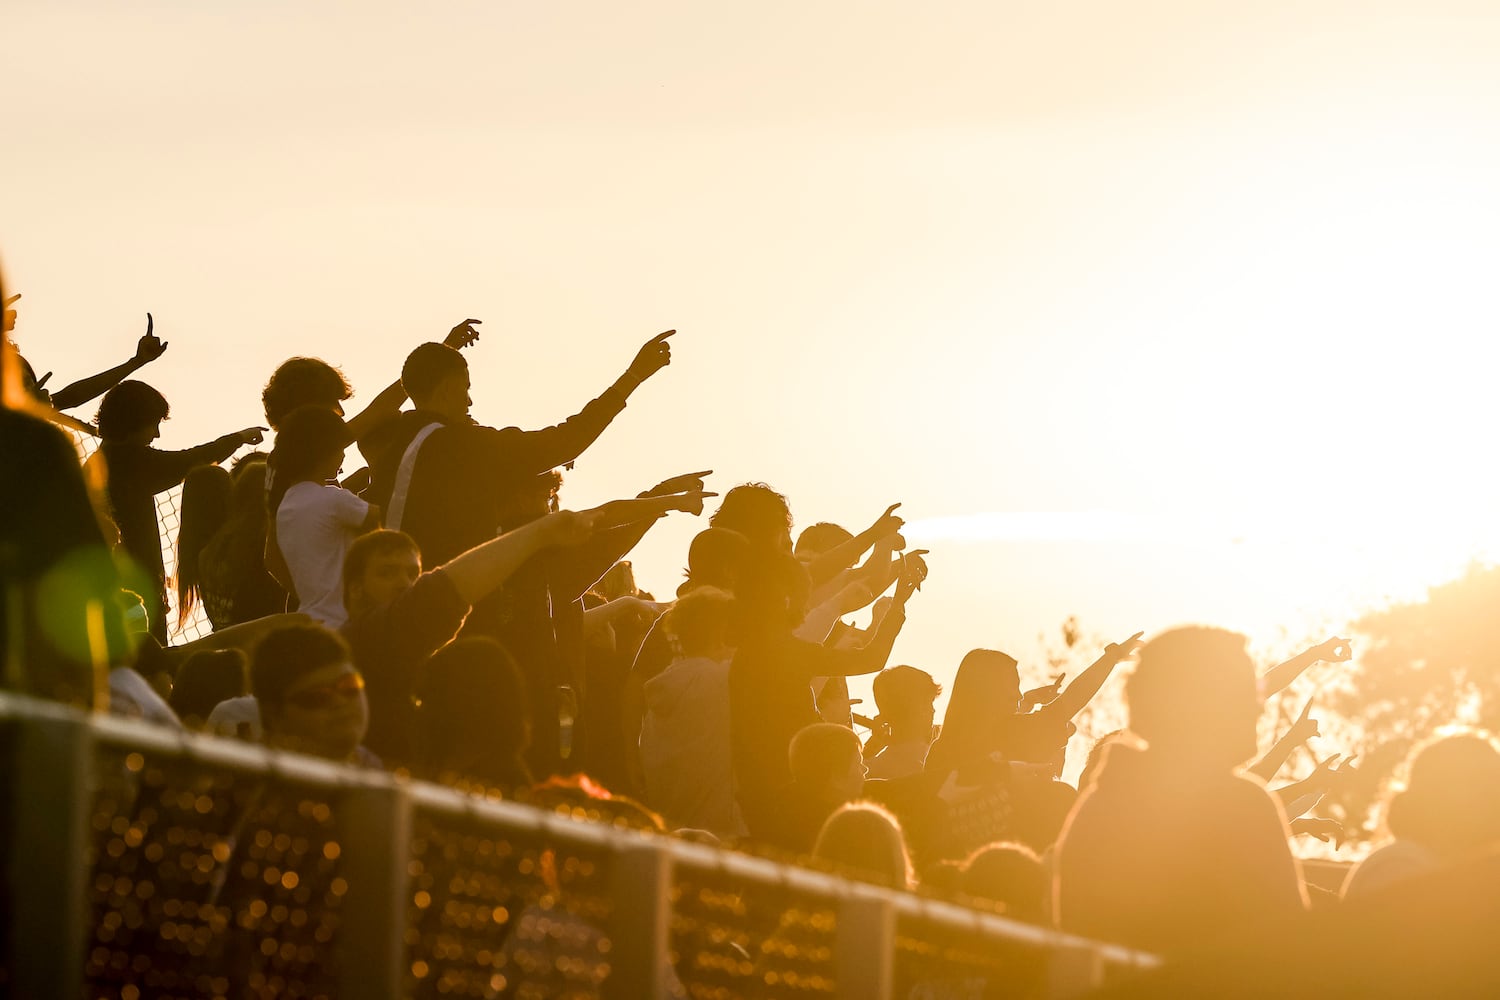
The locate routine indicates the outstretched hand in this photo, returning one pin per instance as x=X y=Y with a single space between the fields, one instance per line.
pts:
x=1320 y=829
x=1044 y=695
x=253 y=435
x=1304 y=729
x=655 y=355
x=913 y=572
x=462 y=335
x=149 y=348
x=688 y=481
x=691 y=501
x=1124 y=650
x=889 y=523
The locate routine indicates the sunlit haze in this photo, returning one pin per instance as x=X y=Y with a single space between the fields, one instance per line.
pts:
x=1148 y=313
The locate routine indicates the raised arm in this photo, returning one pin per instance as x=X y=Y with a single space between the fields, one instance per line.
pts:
x=479 y=571
x=1078 y=694
x=1333 y=650
x=839 y=558
x=872 y=656
x=1304 y=729
x=147 y=350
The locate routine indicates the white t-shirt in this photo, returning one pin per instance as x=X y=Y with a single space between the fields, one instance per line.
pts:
x=315 y=526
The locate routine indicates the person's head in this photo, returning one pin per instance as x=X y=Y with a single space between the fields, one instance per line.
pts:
x=472 y=718
x=699 y=624
x=1193 y=696
x=619 y=581
x=207 y=496
x=817 y=539
x=311 y=697
x=986 y=692
x=828 y=760
x=378 y=568
x=1010 y=874
x=865 y=842
x=304 y=382
x=904 y=697
x=759 y=513
x=772 y=594
x=309 y=447
x=131 y=413
x=436 y=377
x=204 y=680
x=1098 y=753
x=531 y=499
x=716 y=558
x=1451 y=803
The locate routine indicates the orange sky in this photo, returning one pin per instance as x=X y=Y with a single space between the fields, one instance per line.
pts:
x=1215 y=266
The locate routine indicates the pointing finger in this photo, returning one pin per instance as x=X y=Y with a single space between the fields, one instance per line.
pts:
x=43 y=380
x=150 y=324
x=660 y=338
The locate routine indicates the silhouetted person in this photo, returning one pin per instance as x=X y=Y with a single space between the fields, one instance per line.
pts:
x=684 y=740
x=446 y=481
x=147 y=350
x=130 y=417
x=985 y=712
x=207 y=499
x=233 y=581
x=827 y=771
x=863 y=841
x=54 y=564
x=1170 y=847
x=472 y=726
x=1449 y=812
x=770 y=680
x=204 y=680
x=1011 y=875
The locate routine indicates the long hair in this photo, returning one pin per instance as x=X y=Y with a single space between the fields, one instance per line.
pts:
x=981 y=705
x=207 y=497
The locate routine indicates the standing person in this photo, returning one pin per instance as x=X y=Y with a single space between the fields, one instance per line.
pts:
x=770 y=680
x=207 y=498
x=233 y=580
x=313 y=523
x=130 y=417
x=1171 y=846
x=446 y=481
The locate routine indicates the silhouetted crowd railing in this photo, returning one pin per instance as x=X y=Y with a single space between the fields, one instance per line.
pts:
x=162 y=865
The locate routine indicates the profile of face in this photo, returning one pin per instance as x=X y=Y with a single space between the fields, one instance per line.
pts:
x=451 y=397
x=849 y=785
x=386 y=577
x=323 y=713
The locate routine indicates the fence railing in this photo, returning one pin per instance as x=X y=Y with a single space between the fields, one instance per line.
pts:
x=140 y=862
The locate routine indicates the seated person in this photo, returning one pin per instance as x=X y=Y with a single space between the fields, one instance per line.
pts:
x=864 y=842
x=311 y=698
x=1170 y=847
x=1448 y=812
x=828 y=770
x=472 y=727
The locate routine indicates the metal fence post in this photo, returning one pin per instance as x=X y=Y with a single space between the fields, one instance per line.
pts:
x=865 y=946
x=49 y=815
x=1072 y=970
x=374 y=824
x=640 y=923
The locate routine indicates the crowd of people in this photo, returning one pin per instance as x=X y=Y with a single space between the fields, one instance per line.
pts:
x=438 y=612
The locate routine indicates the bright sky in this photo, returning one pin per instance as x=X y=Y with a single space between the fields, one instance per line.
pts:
x=1203 y=292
